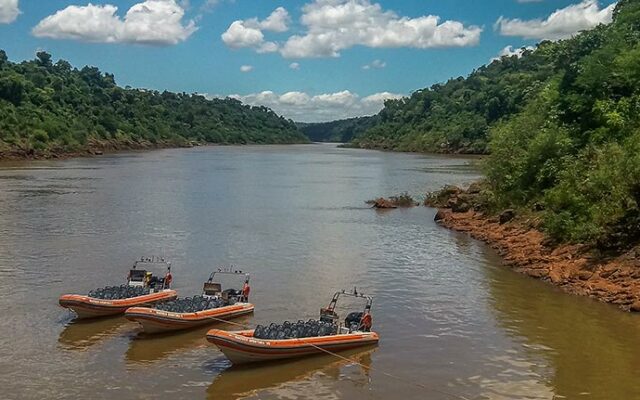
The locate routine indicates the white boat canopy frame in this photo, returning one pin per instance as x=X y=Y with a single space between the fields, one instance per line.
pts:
x=213 y=288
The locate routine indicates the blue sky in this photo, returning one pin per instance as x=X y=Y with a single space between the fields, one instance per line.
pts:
x=351 y=54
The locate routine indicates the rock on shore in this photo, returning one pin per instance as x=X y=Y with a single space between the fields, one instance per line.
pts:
x=574 y=268
x=402 y=200
x=381 y=202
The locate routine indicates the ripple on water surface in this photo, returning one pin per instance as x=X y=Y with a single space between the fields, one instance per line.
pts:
x=451 y=319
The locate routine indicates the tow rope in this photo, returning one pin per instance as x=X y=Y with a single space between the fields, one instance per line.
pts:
x=367 y=367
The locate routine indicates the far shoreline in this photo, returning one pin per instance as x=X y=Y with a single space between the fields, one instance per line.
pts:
x=16 y=155
x=94 y=152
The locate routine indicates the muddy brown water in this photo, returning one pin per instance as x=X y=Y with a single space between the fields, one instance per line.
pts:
x=452 y=320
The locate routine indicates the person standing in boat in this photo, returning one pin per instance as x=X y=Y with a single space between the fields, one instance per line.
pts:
x=366 y=322
x=168 y=278
x=246 y=289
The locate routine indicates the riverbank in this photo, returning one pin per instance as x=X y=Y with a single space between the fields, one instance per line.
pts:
x=576 y=269
x=98 y=148
x=93 y=148
x=442 y=150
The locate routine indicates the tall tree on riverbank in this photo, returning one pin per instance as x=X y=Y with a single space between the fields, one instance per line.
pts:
x=457 y=116
x=48 y=108
x=574 y=149
x=561 y=123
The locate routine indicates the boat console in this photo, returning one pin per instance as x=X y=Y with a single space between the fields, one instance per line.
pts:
x=328 y=324
x=136 y=277
x=147 y=273
x=356 y=321
x=213 y=287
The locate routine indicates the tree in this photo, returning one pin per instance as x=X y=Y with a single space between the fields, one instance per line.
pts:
x=44 y=59
x=3 y=58
x=12 y=89
x=48 y=107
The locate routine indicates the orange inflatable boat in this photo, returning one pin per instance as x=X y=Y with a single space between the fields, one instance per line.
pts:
x=298 y=339
x=212 y=306
x=142 y=288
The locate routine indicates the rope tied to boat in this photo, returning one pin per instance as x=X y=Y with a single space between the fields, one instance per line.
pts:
x=352 y=361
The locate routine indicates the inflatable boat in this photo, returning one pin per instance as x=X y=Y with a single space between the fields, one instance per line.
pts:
x=299 y=339
x=213 y=305
x=142 y=288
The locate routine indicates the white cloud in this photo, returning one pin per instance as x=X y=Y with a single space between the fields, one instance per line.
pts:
x=561 y=24
x=294 y=98
x=152 y=22
x=267 y=47
x=248 y=32
x=336 y=25
x=294 y=65
x=246 y=68
x=379 y=98
x=9 y=11
x=239 y=35
x=377 y=64
x=510 y=51
x=277 y=21
x=301 y=106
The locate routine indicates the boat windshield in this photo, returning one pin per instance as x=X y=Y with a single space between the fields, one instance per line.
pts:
x=354 y=319
x=137 y=275
x=226 y=281
x=149 y=271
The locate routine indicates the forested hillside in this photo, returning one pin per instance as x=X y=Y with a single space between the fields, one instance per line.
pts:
x=340 y=131
x=455 y=117
x=574 y=149
x=47 y=109
x=561 y=125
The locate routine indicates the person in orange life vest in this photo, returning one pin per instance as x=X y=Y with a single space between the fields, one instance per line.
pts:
x=366 y=322
x=168 y=278
x=246 y=289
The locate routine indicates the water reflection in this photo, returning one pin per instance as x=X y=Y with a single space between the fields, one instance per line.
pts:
x=575 y=346
x=244 y=381
x=295 y=218
x=80 y=334
x=147 y=349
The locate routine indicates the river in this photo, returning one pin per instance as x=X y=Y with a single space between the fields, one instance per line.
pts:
x=452 y=320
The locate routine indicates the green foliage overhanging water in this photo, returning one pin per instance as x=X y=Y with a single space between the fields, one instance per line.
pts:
x=561 y=124
x=49 y=108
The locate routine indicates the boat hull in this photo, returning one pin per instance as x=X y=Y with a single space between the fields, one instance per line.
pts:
x=241 y=348
x=89 y=307
x=158 y=321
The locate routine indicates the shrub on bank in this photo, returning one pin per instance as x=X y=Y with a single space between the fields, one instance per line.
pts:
x=401 y=200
